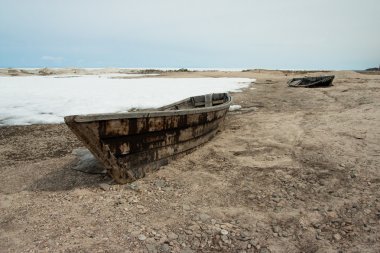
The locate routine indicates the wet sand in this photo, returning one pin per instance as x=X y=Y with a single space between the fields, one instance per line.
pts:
x=296 y=170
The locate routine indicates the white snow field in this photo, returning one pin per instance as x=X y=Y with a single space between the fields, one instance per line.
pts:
x=47 y=99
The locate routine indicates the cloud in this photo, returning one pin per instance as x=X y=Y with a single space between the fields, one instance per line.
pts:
x=52 y=58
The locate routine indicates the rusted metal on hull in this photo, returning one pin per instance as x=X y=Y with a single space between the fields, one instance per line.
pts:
x=132 y=144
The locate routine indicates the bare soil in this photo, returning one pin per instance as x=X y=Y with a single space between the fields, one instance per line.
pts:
x=295 y=170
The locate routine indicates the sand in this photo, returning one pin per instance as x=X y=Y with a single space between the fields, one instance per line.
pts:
x=295 y=170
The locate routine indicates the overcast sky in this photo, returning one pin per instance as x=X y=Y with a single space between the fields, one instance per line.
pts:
x=276 y=34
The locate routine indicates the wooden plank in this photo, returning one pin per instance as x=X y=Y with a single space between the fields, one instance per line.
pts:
x=136 y=143
x=134 y=162
x=145 y=114
x=122 y=127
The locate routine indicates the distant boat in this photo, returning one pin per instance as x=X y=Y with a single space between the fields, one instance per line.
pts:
x=311 y=82
x=131 y=144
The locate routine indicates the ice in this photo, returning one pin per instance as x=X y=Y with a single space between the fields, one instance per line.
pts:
x=234 y=108
x=47 y=99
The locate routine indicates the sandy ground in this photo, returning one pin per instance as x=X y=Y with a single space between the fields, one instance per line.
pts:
x=296 y=170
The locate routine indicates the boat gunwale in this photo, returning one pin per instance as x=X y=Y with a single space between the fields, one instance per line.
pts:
x=82 y=118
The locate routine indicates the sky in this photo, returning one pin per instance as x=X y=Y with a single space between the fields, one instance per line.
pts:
x=274 y=34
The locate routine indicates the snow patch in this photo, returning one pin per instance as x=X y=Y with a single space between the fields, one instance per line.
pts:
x=45 y=100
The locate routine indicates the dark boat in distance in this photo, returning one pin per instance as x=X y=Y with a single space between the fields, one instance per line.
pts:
x=311 y=82
x=131 y=144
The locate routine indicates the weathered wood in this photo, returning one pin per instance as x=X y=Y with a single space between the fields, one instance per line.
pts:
x=131 y=144
x=128 y=144
x=311 y=82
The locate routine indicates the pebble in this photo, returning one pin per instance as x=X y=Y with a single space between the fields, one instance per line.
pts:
x=196 y=243
x=186 y=207
x=172 y=236
x=276 y=229
x=194 y=227
x=224 y=232
x=133 y=186
x=165 y=248
x=264 y=250
x=337 y=237
x=204 y=217
x=224 y=239
x=104 y=186
x=244 y=234
x=160 y=183
x=151 y=248
x=142 y=237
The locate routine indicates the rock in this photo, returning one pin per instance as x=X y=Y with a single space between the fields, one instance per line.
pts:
x=133 y=186
x=151 y=248
x=224 y=238
x=172 y=236
x=244 y=234
x=254 y=242
x=160 y=183
x=264 y=250
x=186 y=207
x=87 y=162
x=104 y=186
x=224 y=232
x=204 y=217
x=194 y=227
x=165 y=248
x=196 y=244
x=142 y=237
x=276 y=229
x=242 y=245
x=337 y=237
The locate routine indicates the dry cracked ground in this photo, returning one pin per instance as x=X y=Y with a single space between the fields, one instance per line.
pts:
x=295 y=170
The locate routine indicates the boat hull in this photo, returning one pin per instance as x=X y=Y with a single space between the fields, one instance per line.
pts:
x=132 y=144
x=311 y=82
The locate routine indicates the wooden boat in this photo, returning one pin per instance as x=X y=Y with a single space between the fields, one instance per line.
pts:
x=131 y=144
x=311 y=82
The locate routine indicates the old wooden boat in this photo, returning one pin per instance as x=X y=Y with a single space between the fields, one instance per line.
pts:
x=311 y=82
x=131 y=144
